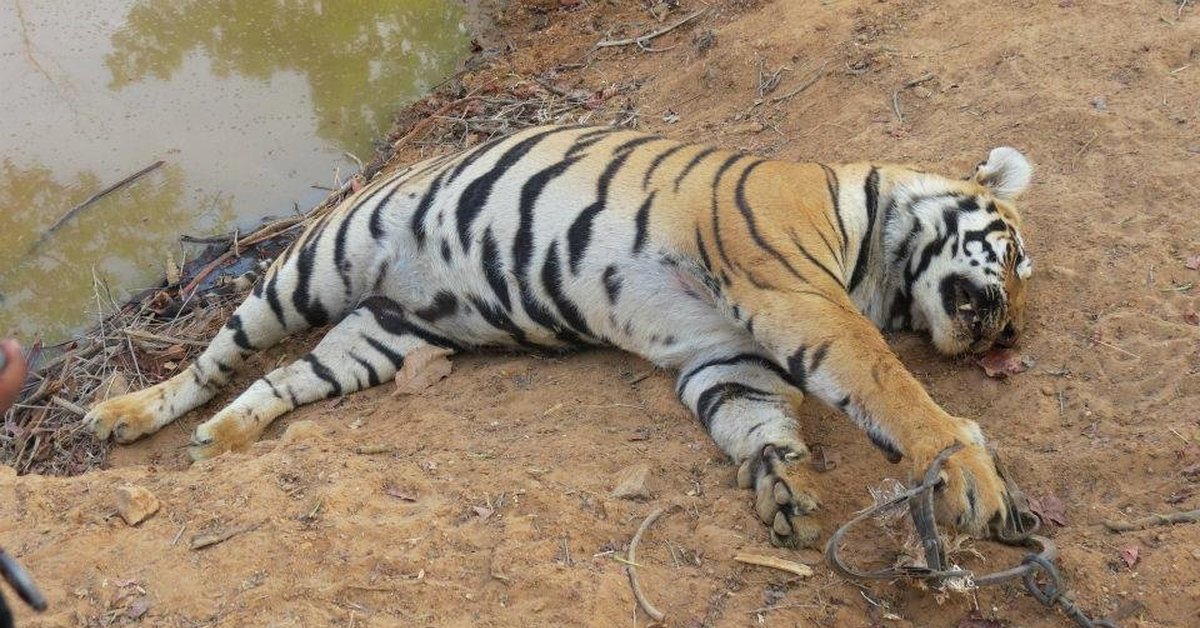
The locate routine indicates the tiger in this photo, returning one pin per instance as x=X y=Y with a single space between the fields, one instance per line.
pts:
x=758 y=281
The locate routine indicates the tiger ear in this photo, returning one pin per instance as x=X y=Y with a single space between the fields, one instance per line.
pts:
x=1006 y=172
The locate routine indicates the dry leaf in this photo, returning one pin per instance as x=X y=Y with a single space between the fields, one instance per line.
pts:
x=483 y=511
x=1191 y=318
x=399 y=493
x=422 y=368
x=1049 y=509
x=1002 y=363
x=1129 y=555
x=137 y=609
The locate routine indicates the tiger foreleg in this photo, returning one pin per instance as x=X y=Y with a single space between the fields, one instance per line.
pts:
x=839 y=356
x=744 y=401
x=365 y=349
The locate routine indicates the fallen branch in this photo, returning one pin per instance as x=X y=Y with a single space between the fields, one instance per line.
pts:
x=631 y=569
x=789 y=566
x=807 y=84
x=97 y=196
x=641 y=41
x=1189 y=516
x=205 y=540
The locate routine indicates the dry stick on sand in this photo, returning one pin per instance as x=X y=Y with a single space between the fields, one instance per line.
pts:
x=631 y=569
x=1188 y=516
x=641 y=41
x=789 y=566
x=205 y=540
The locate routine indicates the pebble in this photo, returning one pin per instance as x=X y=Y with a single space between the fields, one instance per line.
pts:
x=135 y=504
x=632 y=483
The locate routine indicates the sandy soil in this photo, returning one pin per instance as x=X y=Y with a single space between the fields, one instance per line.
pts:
x=488 y=502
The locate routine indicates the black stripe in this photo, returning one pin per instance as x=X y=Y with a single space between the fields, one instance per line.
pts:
x=580 y=232
x=444 y=304
x=704 y=259
x=831 y=183
x=889 y=449
x=552 y=283
x=390 y=316
x=716 y=220
x=933 y=248
x=372 y=374
x=274 y=390
x=741 y=358
x=473 y=155
x=715 y=396
x=800 y=245
x=612 y=284
x=239 y=332
x=496 y=317
x=748 y=215
x=376 y=222
x=695 y=161
x=417 y=222
x=323 y=373
x=658 y=160
x=493 y=269
x=530 y=192
x=642 y=223
x=395 y=357
x=475 y=197
x=310 y=308
x=819 y=356
x=871 y=190
x=585 y=140
x=272 y=292
x=797 y=368
x=339 y=253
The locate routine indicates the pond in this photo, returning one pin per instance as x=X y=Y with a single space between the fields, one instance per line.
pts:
x=253 y=108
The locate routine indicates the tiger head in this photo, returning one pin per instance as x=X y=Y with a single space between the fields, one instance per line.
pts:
x=967 y=267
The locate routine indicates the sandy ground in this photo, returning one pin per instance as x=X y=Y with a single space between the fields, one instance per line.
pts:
x=488 y=500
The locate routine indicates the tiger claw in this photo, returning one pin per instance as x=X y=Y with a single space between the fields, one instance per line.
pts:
x=778 y=501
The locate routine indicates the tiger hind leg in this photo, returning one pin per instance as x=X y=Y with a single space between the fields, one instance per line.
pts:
x=140 y=413
x=743 y=400
x=365 y=349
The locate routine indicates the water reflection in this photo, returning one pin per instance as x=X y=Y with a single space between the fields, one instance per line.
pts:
x=357 y=57
x=249 y=103
x=41 y=277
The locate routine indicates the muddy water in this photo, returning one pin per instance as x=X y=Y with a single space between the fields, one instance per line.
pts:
x=251 y=105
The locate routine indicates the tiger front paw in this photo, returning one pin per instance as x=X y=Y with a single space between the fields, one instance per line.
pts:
x=972 y=497
x=779 y=500
x=125 y=418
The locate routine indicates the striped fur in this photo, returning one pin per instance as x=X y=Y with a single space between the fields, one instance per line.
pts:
x=759 y=281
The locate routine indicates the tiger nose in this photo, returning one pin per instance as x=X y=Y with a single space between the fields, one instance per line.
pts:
x=1008 y=336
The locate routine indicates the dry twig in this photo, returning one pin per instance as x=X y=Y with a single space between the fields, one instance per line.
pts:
x=1188 y=516
x=772 y=562
x=631 y=569
x=641 y=41
x=201 y=541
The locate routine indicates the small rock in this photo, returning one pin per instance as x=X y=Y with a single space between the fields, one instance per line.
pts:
x=1100 y=103
x=301 y=431
x=632 y=483
x=135 y=504
x=1062 y=272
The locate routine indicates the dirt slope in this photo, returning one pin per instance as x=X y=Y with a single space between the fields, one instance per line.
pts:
x=489 y=503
